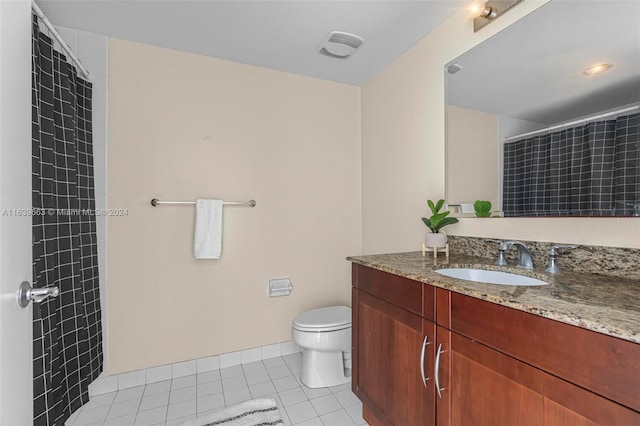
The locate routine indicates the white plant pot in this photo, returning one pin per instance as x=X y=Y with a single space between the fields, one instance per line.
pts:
x=438 y=240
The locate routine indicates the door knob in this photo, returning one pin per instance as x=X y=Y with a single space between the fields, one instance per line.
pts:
x=26 y=294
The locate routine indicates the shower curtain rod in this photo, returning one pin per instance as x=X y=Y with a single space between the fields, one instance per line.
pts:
x=572 y=123
x=40 y=14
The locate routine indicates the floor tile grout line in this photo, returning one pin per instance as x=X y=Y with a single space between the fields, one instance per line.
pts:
x=124 y=415
x=291 y=365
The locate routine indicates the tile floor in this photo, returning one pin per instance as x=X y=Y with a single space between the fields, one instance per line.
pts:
x=172 y=402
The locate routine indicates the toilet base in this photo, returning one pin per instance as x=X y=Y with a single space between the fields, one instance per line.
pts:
x=322 y=369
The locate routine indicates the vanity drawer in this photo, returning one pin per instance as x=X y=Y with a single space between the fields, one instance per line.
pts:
x=603 y=364
x=399 y=291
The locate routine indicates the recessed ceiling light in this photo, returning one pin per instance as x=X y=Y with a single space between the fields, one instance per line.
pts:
x=597 y=69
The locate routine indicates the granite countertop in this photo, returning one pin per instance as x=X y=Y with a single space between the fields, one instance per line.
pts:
x=606 y=304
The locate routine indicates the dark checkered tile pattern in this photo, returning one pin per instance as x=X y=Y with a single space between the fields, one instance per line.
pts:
x=589 y=170
x=67 y=346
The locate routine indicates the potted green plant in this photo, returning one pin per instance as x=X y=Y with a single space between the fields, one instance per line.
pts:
x=435 y=223
x=482 y=208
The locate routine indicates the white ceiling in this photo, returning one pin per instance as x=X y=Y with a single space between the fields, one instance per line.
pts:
x=281 y=35
x=532 y=70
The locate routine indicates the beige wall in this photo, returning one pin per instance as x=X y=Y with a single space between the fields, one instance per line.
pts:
x=472 y=156
x=403 y=152
x=183 y=126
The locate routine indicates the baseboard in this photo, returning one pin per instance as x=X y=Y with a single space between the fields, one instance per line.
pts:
x=111 y=383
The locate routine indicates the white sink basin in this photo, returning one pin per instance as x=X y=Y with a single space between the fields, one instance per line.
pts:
x=491 y=277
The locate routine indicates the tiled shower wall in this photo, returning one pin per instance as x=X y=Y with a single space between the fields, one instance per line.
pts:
x=92 y=50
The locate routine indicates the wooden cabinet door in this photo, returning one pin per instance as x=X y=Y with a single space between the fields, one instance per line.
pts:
x=389 y=343
x=480 y=386
x=568 y=404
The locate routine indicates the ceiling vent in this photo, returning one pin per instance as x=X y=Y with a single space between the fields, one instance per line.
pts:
x=340 y=45
x=454 y=68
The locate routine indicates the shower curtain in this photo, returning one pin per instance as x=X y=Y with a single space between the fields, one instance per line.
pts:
x=67 y=332
x=588 y=170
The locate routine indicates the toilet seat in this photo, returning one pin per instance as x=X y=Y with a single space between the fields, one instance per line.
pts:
x=333 y=318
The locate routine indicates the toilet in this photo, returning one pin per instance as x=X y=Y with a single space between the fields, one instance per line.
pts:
x=324 y=335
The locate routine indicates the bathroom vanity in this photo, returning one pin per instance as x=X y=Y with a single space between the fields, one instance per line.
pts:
x=434 y=350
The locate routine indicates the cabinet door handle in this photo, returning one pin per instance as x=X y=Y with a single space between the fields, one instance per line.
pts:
x=436 y=371
x=425 y=343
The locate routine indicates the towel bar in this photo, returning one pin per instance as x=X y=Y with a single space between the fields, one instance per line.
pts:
x=251 y=203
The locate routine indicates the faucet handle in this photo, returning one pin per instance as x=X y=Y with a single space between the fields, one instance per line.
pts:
x=553 y=251
x=500 y=261
x=504 y=245
x=500 y=243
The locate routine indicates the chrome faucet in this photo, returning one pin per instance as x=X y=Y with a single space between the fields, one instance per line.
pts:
x=553 y=253
x=525 y=260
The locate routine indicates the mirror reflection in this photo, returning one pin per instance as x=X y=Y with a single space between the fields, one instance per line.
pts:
x=543 y=118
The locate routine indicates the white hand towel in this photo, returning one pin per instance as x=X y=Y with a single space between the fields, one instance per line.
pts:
x=207 y=241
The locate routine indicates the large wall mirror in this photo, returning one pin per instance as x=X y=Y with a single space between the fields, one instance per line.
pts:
x=535 y=132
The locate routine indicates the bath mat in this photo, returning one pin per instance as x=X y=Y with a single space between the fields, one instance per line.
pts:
x=257 y=412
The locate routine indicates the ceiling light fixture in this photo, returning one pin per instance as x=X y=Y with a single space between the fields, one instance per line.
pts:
x=597 y=69
x=490 y=11
x=475 y=8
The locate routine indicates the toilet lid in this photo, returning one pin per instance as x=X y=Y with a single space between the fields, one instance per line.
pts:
x=332 y=318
